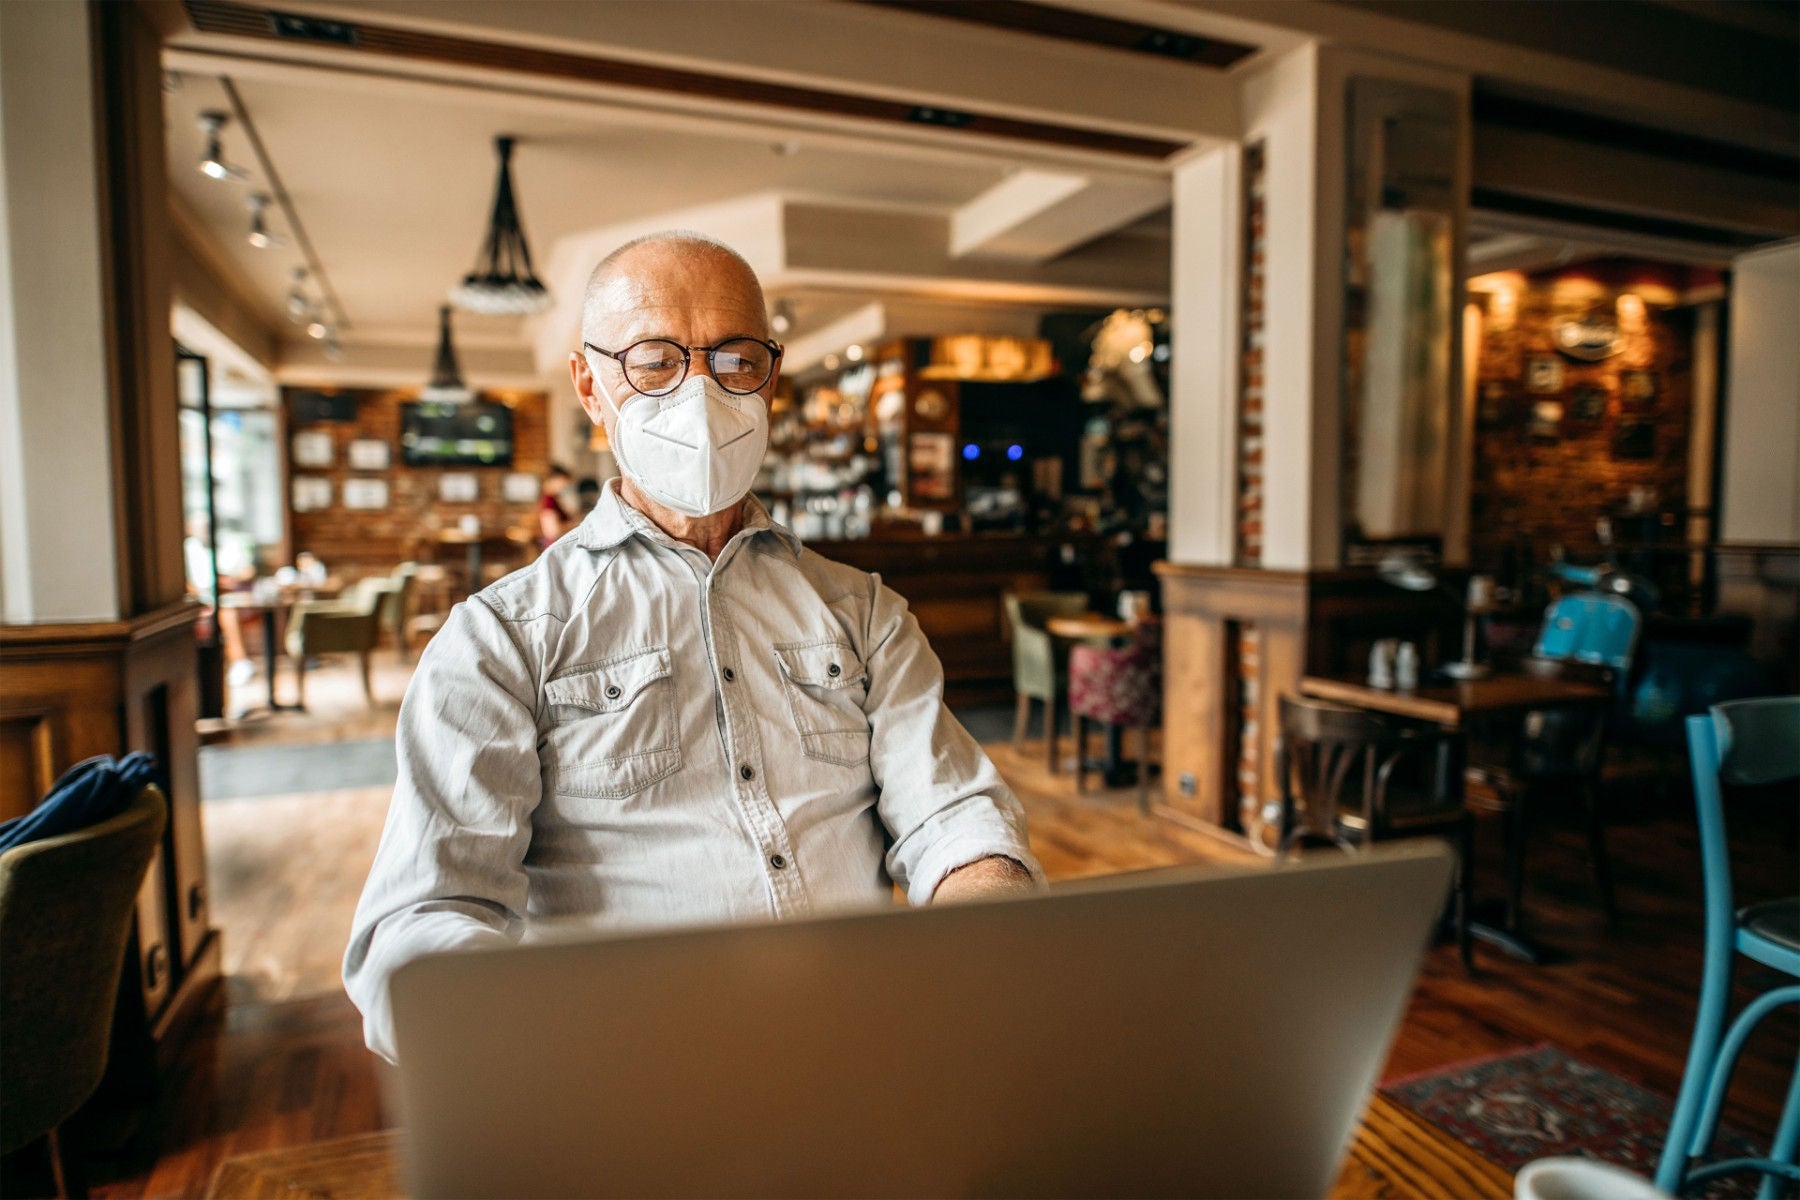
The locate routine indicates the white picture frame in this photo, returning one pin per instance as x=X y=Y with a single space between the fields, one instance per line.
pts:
x=365 y=493
x=313 y=448
x=520 y=487
x=459 y=487
x=310 y=493
x=369 y=454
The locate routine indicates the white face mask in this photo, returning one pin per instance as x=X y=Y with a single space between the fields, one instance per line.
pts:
x=695 y=451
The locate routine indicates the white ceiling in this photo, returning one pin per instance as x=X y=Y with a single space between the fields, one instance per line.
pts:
x=393 y=180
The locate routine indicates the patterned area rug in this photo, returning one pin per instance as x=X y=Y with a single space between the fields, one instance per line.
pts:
x=1541 y=1103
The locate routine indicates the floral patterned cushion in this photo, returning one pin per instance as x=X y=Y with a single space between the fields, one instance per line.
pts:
x=1119 y=686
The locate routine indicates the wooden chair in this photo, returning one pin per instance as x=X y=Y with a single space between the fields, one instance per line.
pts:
x=1040 y=662
x=1551 y=755
x=1352 y=778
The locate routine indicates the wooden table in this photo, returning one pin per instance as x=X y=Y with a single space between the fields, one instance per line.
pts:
x=273 y=606
x=1394 y=1156
x=1090 y=627
x=1098 y=627
x=1455 y=705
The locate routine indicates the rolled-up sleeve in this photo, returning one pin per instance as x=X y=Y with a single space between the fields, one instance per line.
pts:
x=944 y=804
x=449 y=870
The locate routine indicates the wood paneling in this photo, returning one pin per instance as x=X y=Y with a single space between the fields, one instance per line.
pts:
x=69 y=692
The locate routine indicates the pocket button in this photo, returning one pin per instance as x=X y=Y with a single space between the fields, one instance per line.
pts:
x=834 y=670
x=612 y=691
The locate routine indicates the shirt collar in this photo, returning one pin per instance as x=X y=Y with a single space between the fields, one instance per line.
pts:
x=613 y=520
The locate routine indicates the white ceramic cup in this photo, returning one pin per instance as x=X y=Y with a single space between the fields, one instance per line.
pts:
x=1582 y=1179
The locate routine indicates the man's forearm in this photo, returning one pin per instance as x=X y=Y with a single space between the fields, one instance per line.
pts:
x=995 y=875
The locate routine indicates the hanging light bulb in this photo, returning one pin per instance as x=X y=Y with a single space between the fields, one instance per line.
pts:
x=503 y=282
x=298 y=306
x=260 y=237
x=212 y=159
x=446 y=386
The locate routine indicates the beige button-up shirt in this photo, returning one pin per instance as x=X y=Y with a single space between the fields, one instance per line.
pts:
x=630 y=733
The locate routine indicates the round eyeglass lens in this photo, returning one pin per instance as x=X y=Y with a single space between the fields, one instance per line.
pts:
x=654 y=368
x=742 y=365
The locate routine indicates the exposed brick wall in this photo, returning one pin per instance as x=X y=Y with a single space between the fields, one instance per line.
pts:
x=354 y=542
x=1248 y=656
x=1250 y=375
x=1533 y=490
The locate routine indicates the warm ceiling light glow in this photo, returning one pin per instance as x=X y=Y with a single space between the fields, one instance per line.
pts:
x=1503 y=307
x=1632 y=314
x=318 y=330
x=831 y=362
x=1494 y=281
x=853 y=352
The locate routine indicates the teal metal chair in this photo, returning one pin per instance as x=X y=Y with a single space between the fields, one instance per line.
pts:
x=1748 y=743
x=1040 y=662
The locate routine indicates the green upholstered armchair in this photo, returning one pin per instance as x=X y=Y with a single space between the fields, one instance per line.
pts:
x=351 y=625
x=1040 y=662
x=65 y=910
x=396 y=604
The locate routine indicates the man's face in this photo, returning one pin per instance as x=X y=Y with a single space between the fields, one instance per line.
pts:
x=689 y=295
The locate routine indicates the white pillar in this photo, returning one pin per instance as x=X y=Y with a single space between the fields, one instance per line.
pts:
x=58 y=557
x=1204 y=311
x=1759 y=495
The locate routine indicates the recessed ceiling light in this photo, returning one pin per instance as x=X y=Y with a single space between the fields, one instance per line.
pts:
x=853 y=352
x=831 y=362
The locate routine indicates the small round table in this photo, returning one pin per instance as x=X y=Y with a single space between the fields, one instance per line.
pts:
x=1109 y=631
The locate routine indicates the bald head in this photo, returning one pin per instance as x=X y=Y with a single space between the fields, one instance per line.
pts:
x=672 y=278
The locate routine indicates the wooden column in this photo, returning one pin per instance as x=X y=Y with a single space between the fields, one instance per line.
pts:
x=1239 y=638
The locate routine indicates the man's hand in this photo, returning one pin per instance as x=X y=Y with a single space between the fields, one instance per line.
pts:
x=995 y=875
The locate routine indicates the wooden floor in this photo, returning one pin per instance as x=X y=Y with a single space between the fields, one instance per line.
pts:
x=282 y=1064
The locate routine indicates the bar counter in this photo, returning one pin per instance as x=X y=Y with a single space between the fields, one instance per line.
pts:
x=953 y=583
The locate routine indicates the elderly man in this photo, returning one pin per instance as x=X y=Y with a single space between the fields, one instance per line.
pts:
x=678 y=713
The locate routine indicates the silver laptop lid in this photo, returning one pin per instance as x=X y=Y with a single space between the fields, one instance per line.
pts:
x=1180 y=1032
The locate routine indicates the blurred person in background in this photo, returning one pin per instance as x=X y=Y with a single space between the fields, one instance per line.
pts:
x=237 y=564
x=553 y=518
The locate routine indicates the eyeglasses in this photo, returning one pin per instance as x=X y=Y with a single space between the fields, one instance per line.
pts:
x=657 y=366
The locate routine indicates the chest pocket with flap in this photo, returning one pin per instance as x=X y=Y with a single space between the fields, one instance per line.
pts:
x=824 y=682
x=613 y=729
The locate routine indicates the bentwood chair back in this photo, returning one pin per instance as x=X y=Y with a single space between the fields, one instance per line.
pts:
x=1040 y=662
x=1751 y=743
x=65 y=911
x=1352 y=777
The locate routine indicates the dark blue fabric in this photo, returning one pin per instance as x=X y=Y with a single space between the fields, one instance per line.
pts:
x=88 y=793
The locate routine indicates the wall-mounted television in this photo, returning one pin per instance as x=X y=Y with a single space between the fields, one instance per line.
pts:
x=474 y=433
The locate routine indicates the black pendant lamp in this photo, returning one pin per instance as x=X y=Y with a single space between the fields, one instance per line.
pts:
x=446 y=386
x=503 y=283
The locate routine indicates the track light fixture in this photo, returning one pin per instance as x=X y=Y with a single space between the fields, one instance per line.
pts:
x=298 y=306
x=260 y=237
x=212 y=159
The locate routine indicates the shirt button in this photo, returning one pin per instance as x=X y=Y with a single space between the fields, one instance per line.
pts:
x=729 y=674
x=834 y=670
x=747 y=771
x=778 y=862
x=612 y=691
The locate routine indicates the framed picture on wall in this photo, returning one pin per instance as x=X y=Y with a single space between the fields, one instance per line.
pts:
x=459 y=487
x=1546 y=421
x=520 y=487
x=1587 y=402
x=368 y=454
x=1634 y=440
x=1543 y=373
x=1637 y=391
x=365 y=493
x=312 y=448
x=311 y=493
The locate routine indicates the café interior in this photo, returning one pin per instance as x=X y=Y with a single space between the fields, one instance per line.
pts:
x=1240 y=393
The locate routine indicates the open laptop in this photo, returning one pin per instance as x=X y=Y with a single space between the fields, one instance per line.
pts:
x=1181 y=1032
